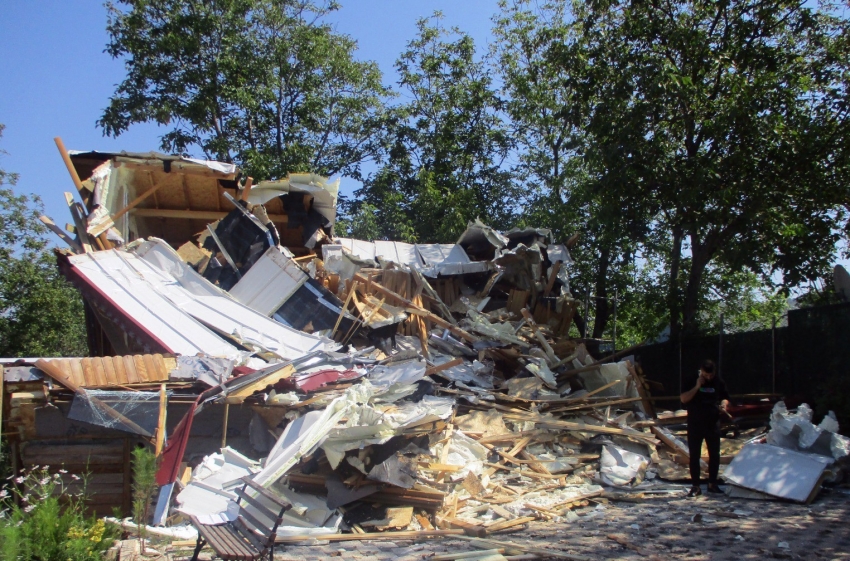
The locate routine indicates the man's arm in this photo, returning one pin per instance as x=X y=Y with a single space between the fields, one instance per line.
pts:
x=689 y=395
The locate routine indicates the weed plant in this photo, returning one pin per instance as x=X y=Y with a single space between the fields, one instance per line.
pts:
x=35 y=525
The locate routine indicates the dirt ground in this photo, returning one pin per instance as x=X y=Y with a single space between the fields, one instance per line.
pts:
x=704 y=528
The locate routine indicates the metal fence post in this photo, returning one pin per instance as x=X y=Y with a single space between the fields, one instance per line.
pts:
x=720 y=349
x=773 y=356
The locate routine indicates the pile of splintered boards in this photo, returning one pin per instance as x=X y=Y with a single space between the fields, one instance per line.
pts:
x=375 y=385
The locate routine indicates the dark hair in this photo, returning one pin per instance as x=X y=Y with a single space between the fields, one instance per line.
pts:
x=708 y=366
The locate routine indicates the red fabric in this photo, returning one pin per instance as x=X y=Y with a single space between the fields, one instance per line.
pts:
x=172 y=455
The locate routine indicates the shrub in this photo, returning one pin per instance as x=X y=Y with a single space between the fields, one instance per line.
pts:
x=36 y=526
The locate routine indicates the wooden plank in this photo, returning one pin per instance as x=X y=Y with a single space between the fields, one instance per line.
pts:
x=47 y=221
x=224 y=424
x=162 y=371
x=505 y=524
x=120 y=370
x=205 y=215
x=266 y=493
x=250 y=535
x=151 y=371
x=141 y=367
x=554 y=275
x=247 y=190
x=254 y=524
x=100 y=371
x=79 y=222
x=135 y=202
x=130 y=369
x=412 y=308
x=160 y=426
x=411 y=535
x=109 y=370
x=445 y=366
x=72 y=171
x=266 y=511
x=79 y=375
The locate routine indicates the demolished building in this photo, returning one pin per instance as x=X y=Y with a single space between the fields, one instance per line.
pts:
x=371 y=384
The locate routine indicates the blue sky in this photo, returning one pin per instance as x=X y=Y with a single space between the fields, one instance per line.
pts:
x=56 y=79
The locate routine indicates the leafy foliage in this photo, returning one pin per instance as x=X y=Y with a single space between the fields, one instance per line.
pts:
x=43 y=528
x=447 y=148
x=40 y=313
x=258 y=82
x=709 y=134
x=144 y=483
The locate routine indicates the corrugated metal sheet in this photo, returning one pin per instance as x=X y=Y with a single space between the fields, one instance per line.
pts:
x=269 y=282
x=111 y=371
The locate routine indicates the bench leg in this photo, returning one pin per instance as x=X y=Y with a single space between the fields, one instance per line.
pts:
x=198 y=547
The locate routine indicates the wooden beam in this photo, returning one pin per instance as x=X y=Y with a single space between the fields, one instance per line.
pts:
x=555 y=268
x=370 y=536
x=412 y=308
x=160 y=426
x=72 y=170
x=62 y=235
x=187 y=168
x=79 y=223
x=208 y=215
x=247 y=190
x=224 y=425
x=137 y=200
x=445 y=366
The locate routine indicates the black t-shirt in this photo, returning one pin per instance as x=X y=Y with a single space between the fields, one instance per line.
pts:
x=704 y=408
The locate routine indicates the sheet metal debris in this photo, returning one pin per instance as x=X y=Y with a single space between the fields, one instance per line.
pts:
x=372 y=384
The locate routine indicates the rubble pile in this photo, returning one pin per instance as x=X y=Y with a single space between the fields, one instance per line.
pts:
x=374 y=385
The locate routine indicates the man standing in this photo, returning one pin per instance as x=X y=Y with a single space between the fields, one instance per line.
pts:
x=705 y=401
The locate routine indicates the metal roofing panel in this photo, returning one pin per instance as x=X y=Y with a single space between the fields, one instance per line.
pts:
x=108 y=273
x=160 y=266
x=442 y=253
x=398 y=252
x=270 y=282
x=360 y=248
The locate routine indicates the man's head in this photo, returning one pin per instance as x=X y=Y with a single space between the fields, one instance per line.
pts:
x=707 y=370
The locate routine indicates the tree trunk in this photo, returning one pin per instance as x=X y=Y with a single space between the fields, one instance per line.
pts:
x=673 y=288
x=602 y=307
x=700 y=256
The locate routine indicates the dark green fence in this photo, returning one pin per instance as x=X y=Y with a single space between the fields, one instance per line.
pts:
x=796 y=360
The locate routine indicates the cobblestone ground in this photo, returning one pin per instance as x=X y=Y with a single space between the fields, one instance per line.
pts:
x=655 y=529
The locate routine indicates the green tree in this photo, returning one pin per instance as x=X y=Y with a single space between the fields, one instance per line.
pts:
x=447 y=148
x=262 y=83
x=725 y=123
x=40 y=313
x=542 y=58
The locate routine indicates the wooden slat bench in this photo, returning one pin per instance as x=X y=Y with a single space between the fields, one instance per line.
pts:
x=246 y=538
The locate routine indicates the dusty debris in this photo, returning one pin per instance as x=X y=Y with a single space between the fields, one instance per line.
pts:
x=428 y=389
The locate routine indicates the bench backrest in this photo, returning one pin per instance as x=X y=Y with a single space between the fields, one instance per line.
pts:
x=260 y=513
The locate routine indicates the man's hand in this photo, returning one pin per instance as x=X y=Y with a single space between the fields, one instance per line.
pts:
x=700 y=381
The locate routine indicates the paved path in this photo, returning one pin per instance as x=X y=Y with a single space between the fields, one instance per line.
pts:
x=655 y=529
